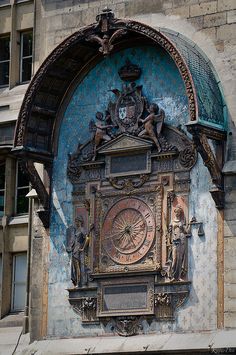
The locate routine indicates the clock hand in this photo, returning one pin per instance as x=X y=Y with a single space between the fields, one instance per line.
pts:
x=138 y=221
x=111 y=236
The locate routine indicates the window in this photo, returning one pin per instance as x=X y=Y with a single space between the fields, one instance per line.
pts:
x=26 y=56
x=0 y=271
x=7 y=133
x=4 y=60
x=19 y=281
x=22 y=189
x=2 y=188
x=4 y=2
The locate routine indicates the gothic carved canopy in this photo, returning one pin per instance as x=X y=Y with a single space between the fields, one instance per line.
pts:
x=39 y=119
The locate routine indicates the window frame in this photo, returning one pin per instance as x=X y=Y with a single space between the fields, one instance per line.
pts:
x=6 y=60
x=16 y=192
x=13 y=283
x=25 y=57
x=3 y=163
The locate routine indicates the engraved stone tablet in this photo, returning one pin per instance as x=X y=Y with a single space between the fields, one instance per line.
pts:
x=126 y=297
x=128 y=163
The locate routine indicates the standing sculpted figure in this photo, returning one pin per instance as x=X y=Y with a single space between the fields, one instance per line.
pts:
x=179 y=231
x=77 y=243
x=101 y=133
x=153 y=124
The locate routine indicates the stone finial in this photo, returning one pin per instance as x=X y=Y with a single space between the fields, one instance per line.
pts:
x=104 y=19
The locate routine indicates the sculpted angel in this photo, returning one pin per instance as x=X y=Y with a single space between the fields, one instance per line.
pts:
x=153 y=124
x=101 y=131
x=77 y=243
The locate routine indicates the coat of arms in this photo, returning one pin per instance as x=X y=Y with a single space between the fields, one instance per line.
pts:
x=128 y=108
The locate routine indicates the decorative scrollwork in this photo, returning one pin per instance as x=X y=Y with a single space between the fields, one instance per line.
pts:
x=129 y=183
x=188 y=157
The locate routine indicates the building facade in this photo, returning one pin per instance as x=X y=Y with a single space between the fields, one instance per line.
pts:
x=126 y=132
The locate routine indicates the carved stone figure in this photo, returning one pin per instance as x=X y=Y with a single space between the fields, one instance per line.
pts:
x=101 y=133
x=153 y=124
x=179 y=231
x=77 y=243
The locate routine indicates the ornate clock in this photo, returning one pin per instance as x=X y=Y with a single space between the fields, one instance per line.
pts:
x=130 y=184
x=128 y=231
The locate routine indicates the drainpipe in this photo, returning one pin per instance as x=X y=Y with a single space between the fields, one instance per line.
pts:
x=31 y=196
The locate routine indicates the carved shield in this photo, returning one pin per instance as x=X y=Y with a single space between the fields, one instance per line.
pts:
x=122 y=113
x=129 y=108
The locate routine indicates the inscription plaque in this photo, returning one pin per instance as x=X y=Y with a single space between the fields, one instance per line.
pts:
x=125 y=165
x=125 y=297
x=128 y=163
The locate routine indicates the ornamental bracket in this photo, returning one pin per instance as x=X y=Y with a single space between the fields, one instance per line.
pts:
x=200 y=138
x=38 y=185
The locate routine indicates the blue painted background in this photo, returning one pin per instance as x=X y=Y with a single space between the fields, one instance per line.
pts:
x=161 y=84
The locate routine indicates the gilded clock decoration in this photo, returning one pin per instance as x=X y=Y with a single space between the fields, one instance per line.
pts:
x=128 y=231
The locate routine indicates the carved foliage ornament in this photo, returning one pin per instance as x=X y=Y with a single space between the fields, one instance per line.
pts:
x=127 y=326
x=85 y=307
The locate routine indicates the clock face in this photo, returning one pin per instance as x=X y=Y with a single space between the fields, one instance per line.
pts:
x=128 y=230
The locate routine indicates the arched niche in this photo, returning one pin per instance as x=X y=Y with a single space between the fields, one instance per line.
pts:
x=50 y=90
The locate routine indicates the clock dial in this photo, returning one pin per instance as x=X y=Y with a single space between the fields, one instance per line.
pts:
x=128 y=230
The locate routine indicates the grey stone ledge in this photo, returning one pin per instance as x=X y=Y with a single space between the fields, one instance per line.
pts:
x=24 y=219
x=229 y=168
x=158 y=343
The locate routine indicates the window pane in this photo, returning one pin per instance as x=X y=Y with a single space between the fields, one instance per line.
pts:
x=4 y=2
x=6 y=135
x=1 y=203
x=0 y=270
x=26 y=69
x=4 y=48
x=20 y=268
x=22 y=178
x=19 y=282
x=27 y=44
x=19 y=297
x=4 y=73
x=2 y=176
x=22 y=205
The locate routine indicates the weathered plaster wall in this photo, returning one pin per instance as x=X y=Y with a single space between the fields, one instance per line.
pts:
x=162 y=84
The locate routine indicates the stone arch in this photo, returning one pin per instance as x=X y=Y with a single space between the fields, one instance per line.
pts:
x=38 y=121
x=46 y=91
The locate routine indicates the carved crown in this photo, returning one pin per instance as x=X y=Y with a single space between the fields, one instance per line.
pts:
x=130 y=71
